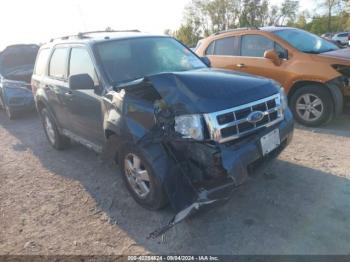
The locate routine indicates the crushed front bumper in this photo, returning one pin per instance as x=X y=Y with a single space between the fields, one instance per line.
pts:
x=215 y=170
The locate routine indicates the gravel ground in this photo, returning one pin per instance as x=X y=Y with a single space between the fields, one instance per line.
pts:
x=72 y=202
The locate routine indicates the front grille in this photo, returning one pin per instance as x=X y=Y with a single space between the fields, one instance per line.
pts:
x=233 y=123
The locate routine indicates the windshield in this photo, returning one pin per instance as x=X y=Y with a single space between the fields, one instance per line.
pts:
x=306 y=42
x=127 y=60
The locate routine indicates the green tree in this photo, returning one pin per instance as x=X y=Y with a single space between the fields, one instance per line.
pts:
x=332 y=6
x=273 y=16
x=254 y=13
x=222 y=14
x=289 y=11
x=187 y=35
x=208 y=16
x=301 y=21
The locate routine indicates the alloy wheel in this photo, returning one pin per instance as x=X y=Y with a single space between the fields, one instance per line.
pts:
x=49 y=129
x=137 y=175
x=309 y=107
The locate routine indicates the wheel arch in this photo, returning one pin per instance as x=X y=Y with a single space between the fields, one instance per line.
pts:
x=40 y=104
x=332 y=88
x=114 y=143
x=299 y=84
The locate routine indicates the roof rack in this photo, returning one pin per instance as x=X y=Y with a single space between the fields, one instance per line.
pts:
x=82 y=35
x=237 y=29
x=63 y=38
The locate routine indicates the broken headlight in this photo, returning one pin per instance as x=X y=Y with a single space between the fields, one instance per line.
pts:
x=190 y=126
x=284 y=99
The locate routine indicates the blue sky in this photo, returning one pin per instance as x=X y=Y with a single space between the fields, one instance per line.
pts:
x=23 y=21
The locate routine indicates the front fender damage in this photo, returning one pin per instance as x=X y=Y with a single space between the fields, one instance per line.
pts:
x=191 y=185
x=191 y=172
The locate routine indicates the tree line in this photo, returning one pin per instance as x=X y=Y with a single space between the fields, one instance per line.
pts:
x=202 y=18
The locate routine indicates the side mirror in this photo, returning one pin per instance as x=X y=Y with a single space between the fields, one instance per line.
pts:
x=206 y=61
x=81 y=82
x=283 y=54
x=273 y=56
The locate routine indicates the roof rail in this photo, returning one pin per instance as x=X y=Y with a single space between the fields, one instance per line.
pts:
x=237 y=29
x=82 y=35
x=63 y=38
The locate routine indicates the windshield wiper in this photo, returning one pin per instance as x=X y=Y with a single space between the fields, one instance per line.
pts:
x=311 y=52
x=328 y=50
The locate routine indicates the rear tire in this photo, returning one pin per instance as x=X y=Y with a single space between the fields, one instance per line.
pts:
x=10 y=114
x=56 y=140
x=2 y=107
x=140 y=177
x=312 y=105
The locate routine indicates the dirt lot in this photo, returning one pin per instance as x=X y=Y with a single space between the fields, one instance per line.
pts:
x=71 y=202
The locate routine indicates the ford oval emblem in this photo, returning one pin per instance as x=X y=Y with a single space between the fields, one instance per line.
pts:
x=255 y=117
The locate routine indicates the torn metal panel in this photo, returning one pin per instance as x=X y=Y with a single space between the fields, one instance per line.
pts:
x=181 y=216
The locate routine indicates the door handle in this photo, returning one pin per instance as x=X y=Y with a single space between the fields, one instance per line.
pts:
x=240 y=65
x=68 y=93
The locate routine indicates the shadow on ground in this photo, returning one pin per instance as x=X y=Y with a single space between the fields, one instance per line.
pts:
x=282 y=209
x=338 y=127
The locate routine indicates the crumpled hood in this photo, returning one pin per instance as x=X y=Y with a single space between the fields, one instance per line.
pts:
x=210 y=90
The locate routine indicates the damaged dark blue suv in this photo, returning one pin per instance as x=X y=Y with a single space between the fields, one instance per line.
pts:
x=181 y=132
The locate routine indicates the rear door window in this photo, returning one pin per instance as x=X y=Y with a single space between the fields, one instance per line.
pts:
x=41 y=62
x=227 y=46
x=58 y=63
x=255 y=45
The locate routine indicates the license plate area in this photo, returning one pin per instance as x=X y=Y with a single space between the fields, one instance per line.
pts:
x=270 y=142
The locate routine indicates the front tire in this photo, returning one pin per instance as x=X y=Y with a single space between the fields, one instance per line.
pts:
x=56 y=140
x=312 y=105
x=141 y=179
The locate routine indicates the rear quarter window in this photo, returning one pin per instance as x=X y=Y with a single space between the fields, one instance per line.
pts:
x=226 y=46
x=210 y=49
x=41 y=62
